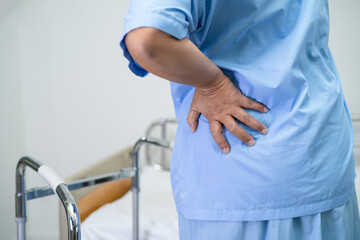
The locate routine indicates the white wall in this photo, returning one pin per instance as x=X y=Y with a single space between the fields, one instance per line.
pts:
x=344 y=43
x=68 y=98
x=12 y=136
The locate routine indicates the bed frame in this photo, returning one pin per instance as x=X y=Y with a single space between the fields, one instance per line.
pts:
x=81 y=180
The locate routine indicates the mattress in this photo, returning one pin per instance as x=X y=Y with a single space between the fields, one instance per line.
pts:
x=158 y=217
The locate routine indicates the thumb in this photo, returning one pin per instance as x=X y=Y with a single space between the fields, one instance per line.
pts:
x=192 y=118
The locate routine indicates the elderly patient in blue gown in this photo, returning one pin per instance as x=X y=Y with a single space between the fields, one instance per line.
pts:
x=263 y=148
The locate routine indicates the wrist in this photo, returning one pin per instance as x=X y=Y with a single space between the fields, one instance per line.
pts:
x=215 y=85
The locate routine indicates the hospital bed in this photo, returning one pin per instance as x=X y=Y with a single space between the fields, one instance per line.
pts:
x=127 y=164
x=158 y=213
x=113 y=220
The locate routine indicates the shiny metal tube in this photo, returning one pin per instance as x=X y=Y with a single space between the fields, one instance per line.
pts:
x=72 y=212
x=39 y=192
x=135 y=190
x=163 y=150
x=20 y=228
x=62 y=191
x=20 y=206
x=163 y=124
x=135 y=184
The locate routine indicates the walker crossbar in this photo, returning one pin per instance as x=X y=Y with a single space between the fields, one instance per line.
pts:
x=39 y=192
x=57 y=185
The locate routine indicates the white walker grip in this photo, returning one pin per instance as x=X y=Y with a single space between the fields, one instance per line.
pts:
x=50 y=176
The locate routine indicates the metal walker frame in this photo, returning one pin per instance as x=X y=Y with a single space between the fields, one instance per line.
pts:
x=62 y=189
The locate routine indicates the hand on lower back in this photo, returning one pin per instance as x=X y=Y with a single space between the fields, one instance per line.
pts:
x=221 y=104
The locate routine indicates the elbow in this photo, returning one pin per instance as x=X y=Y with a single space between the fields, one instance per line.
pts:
x=144 y=43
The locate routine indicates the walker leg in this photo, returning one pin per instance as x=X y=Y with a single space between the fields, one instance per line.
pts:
x=135 y=214
x=20 y=225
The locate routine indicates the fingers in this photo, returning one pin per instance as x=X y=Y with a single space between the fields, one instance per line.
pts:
x=192 y=119
x=216 y=132
x=237 y=131
x=251 y=104
x=248 y=120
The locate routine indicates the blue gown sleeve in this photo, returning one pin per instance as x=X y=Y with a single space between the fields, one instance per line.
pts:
x=174 y=17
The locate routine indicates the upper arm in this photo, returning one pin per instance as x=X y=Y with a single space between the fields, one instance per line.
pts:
x=160 y=18
x=144 y=41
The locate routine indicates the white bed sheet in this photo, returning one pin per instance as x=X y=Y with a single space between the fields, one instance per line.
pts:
x=158 y=216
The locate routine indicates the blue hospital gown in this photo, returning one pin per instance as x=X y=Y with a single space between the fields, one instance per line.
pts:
x=275 y=52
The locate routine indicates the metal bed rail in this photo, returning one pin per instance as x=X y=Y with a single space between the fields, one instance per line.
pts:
x=135 y=184
x=63 y=190
x=163 y=123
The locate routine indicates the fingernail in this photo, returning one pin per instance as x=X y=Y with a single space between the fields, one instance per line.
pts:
x=265 y=109
x=264 y=131
x=251 y=142
x=225 y=150
x=192 y=129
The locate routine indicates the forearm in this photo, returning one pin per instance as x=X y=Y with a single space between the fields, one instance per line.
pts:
x=175 y=60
